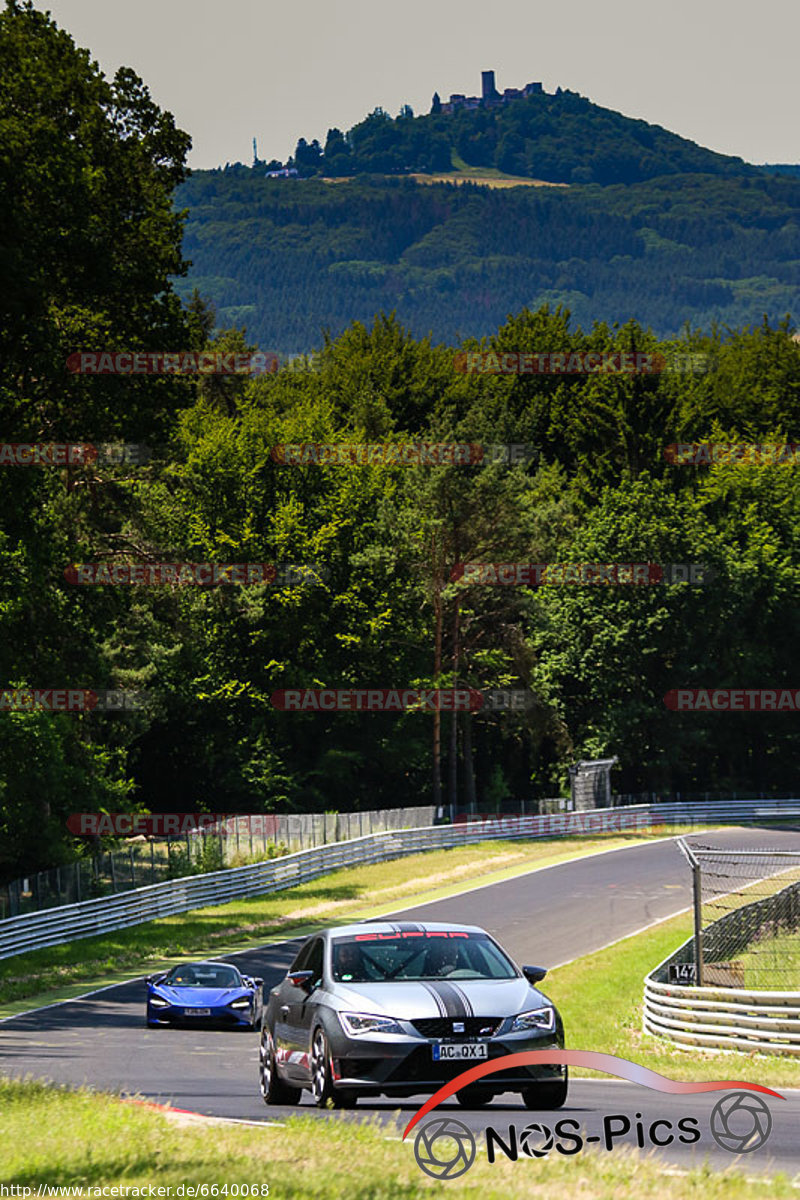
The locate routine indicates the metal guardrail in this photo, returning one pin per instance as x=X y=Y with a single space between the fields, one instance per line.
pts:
x=89 y=918
x=721 y=1017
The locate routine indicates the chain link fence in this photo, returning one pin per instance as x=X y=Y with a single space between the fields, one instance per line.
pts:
x=620 y=799
x=747 y=917
x=141 y=861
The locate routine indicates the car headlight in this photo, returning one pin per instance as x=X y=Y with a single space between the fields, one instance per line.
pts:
x=158 y=1002
x=243 y=1003
x=355 y=1024
x=540 y=1019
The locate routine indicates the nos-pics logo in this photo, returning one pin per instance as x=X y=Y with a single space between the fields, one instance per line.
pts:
x=445 y=1148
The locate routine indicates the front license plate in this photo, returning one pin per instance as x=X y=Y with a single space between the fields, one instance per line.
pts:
x=459 y=1050
x=197 y=1012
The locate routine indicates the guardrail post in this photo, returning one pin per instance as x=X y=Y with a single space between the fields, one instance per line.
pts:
x=697 y=898
x=698 y=923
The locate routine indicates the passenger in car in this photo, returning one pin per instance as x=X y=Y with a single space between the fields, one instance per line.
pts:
x=349 y=963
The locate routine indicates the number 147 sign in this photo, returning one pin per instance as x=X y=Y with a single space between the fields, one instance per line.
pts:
x=682 y=972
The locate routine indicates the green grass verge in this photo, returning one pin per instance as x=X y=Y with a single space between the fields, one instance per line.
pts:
x=772 y=963
x=600 y=998
x=59 y=972
x=52 y=1138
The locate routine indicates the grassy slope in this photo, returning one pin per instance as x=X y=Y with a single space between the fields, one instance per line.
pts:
x=53 y=1137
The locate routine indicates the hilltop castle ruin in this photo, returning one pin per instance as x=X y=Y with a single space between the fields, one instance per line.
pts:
x=489 y=97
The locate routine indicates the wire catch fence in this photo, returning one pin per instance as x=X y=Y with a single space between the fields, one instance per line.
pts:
x=747 y=917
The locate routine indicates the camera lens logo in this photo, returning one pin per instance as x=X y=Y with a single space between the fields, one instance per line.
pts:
x=740 y=1122
x=536 y=1140
x=444 y=1148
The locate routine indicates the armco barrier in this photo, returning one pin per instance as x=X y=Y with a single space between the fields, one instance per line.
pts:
x=88 y=918
x=717 y=1017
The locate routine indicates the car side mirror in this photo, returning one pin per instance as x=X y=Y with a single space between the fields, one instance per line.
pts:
x=301 y=979
x=152 y=978
x=534 y=974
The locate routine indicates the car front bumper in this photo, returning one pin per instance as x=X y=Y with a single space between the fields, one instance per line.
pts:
x=405 y=1066
x=219 y=1015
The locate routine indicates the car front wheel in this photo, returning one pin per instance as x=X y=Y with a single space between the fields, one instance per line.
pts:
x=546 y=1095
x=322 y=1088
x=273 y=1089
x=474 y=1097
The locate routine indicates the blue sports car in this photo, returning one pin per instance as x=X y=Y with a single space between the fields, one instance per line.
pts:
x=204 y=992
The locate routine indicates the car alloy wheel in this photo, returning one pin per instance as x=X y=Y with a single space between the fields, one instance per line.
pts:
x=324 y=1093
x=273 y=1089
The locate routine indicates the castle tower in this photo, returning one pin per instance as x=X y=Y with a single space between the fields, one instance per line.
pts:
x=488 y=90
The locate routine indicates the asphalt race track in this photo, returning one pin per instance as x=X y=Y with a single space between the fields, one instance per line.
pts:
x=546 y=917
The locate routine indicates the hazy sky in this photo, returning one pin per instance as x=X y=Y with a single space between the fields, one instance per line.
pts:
x=725 y=73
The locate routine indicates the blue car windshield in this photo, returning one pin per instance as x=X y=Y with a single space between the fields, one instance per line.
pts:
x=384 y=958
x=204 y=975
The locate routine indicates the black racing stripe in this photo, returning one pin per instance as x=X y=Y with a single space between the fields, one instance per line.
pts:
x=439 y=1001
x=451 y=998
x=408 y=927
x=465 y=1000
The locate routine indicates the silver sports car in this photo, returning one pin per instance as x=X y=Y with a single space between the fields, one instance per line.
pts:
x=398 y=1008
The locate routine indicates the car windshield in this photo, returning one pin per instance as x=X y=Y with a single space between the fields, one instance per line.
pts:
x=204 y=975
x=384 y=958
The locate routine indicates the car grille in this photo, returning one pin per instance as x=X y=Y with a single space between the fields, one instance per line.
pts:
x=442 y=1027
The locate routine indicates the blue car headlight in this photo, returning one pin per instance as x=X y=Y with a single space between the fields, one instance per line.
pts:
x=241 y=1003
x=542 y=1020
x=355 y=1024
x=159 y=1002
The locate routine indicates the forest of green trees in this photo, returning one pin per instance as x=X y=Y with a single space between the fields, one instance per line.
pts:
x=93 y=255
x=288 y=258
